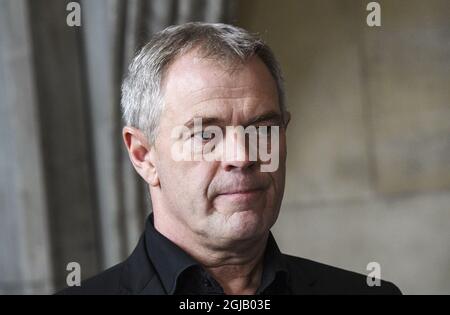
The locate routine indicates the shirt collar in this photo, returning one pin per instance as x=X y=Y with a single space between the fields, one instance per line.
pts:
x=170 y=261
x=275 y=267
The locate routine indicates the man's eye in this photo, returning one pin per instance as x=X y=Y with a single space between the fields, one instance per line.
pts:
x=204 y=135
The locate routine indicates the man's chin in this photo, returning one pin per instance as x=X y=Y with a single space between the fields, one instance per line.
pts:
x=245 y=225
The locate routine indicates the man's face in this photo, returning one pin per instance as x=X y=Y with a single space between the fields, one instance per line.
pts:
x=231 y=199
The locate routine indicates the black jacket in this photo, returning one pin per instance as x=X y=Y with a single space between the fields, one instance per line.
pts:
x=156 y=266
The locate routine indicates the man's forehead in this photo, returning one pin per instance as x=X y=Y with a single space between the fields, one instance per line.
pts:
x=191 y=74
x=218 y=95
x=223 y=104
x=196 y=85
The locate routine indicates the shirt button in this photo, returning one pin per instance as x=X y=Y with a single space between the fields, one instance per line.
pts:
x=206 y=283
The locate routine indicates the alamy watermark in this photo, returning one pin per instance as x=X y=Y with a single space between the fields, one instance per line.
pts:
x=74 y=16
x=73 y=278
x=374 y=17
x=209 y=144
x=374 y=277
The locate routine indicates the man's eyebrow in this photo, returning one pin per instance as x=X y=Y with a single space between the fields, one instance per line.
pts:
x=204 y=120
x=265 y=117
x=269 y=116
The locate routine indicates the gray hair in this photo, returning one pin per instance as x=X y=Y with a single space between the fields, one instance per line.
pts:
x=142 y=102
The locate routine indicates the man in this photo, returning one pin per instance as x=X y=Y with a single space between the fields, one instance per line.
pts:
x=210 y=228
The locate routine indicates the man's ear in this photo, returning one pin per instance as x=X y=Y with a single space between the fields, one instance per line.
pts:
x=141 y=153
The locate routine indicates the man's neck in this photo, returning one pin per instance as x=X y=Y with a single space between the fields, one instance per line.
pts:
x=237 y=268
x=244 y=278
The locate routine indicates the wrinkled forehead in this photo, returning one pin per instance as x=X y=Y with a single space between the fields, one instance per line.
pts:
x=194 y=85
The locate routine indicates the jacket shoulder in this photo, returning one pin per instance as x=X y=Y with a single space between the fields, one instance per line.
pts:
x=325 y=279
x=135 y=275
x=105 y=283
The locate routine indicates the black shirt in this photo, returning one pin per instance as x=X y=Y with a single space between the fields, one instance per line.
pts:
x=158 y=266
x=181 y=274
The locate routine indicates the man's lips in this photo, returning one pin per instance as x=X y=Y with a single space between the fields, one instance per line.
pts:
x=242 y=191
x=242 y=195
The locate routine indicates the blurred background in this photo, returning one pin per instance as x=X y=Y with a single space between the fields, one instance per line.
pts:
x=368 y=144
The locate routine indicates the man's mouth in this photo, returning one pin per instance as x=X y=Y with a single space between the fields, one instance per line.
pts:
x=242 y=195
x=242 y=191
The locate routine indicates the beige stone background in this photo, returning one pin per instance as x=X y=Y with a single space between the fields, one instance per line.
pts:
x=369 y=141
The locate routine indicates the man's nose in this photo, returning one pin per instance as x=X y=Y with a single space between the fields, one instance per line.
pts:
x=239 y=153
